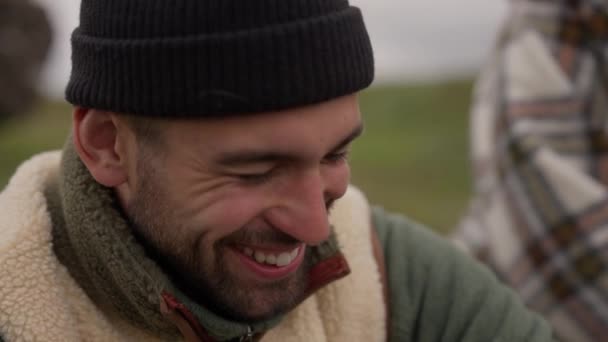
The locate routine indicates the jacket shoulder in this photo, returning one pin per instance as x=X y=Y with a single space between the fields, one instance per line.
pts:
x=433 y=284
x=22 y=202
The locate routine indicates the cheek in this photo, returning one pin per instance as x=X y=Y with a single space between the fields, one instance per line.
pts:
x=345 y=173
x=337 y=180
x=219 y=213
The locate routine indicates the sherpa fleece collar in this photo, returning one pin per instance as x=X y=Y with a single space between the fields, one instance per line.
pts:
x=93 y=238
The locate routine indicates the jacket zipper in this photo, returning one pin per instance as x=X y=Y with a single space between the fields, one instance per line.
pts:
x=247 y=337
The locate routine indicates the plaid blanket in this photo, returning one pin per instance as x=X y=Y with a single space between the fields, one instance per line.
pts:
x=539 y=134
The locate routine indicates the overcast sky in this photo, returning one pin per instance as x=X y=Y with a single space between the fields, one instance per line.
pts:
x=412 y=39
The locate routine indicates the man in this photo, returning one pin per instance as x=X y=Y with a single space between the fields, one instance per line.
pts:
x=193 y=199
x=539 y=150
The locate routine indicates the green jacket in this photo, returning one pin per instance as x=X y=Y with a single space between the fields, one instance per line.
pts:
x=439 y=294
x=435 y=292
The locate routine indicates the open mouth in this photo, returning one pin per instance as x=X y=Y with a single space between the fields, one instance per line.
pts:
x=276 y=259
x=271 y=264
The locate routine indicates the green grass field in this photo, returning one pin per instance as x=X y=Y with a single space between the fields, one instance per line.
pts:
x=413 y=157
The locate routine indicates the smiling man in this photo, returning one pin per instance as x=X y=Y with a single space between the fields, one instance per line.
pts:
x=229 y=206
x=204 y=194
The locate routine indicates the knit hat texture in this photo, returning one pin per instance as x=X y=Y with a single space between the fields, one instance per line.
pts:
x=202 y=58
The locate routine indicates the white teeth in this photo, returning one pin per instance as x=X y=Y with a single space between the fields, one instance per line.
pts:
x=260 y=257
x=271 y=259
x=284 y=259
x=281 y=260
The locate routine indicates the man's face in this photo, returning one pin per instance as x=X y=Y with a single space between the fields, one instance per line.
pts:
x=230 y=207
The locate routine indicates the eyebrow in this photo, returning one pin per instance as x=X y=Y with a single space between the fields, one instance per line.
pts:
x=243 y=157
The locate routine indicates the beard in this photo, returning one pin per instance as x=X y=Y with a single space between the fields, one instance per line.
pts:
x=203 y=272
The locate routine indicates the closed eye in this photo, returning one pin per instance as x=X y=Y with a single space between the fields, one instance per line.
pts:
x=256 y=178
x=336 y=158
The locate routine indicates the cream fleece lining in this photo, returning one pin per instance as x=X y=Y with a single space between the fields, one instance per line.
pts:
x=39 y=301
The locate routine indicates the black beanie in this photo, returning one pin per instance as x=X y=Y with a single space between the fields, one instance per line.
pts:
x=201 y=58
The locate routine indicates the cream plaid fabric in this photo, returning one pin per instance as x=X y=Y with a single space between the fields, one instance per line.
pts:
x=539 y=131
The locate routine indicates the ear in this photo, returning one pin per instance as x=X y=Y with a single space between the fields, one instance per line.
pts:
x=96 y=141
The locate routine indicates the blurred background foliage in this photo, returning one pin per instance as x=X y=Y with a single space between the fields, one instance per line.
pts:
x=412 y=158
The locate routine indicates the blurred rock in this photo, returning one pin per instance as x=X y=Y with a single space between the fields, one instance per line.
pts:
x=25 y=37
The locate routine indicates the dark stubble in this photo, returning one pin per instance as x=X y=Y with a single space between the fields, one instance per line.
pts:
x=166 y=239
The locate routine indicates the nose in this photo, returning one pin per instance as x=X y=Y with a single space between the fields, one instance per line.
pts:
x=302 y=209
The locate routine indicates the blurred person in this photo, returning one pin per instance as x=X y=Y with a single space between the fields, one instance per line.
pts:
x=192 y=200
x=25 y=37
x=540 y=157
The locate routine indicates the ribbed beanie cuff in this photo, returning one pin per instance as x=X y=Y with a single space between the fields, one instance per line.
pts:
x=194 y=58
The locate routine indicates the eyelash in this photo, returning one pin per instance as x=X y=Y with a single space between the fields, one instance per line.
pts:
x=335 y=158
x=258 y=178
